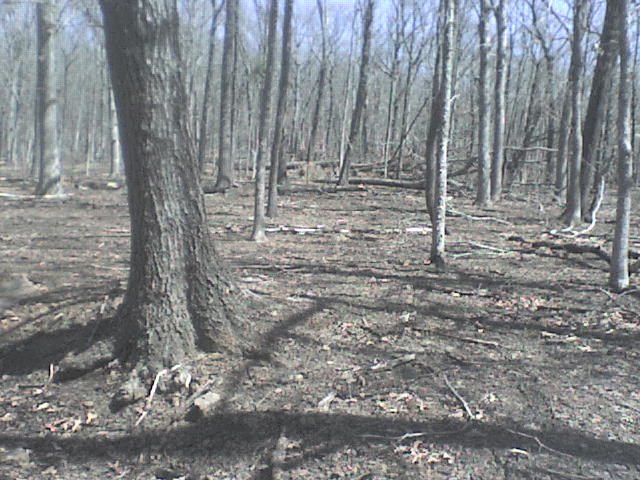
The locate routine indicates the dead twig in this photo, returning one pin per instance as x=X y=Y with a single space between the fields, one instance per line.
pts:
x=476 y=341
x=541 y=445
x=410 y=435
x=460 y=398
x=456 y=213
x=152 y=393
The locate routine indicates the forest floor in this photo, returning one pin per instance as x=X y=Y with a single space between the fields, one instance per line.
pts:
x=517 y=363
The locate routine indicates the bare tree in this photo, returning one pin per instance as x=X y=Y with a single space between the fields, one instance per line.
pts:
x=483 y=194
x=361 y=94
x=497 y=158
x=258 y=234
x=449 y=16
x=602 y=75
x=564 y=132
x=116 y=168
x=224 y=177
x=179 y=298
x=206 y=95
x=619 y=273
x=283 y=83
x=322 y=74
x=573 y=212
x=50 y=172
x=394 y=78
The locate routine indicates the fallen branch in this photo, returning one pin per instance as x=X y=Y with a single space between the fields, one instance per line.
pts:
x=456 y=213
x=489 y=247
x=285 y=190
x=460 y=398
x=541 y=446
x=574 y=248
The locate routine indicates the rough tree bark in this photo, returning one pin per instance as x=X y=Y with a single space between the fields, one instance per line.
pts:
x=361 y=93
x=50 y=171
x=619 y=273
x=178 y=298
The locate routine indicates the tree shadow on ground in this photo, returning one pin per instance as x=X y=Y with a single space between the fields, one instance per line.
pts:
x=237 y=435
x=229 y=434
x=470 y=281
x=62 y=335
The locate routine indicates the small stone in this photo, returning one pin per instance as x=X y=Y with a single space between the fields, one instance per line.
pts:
x=19 y=457
x=203 y=405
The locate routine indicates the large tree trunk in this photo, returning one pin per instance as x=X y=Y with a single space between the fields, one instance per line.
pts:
x=50 y=173
x=619 y=275
x=483 y=194
x=178 y=298
x=361 y=93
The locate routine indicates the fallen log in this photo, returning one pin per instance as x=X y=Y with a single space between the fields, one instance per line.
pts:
x=387 y=182
x=597 y=250
x=288 y=189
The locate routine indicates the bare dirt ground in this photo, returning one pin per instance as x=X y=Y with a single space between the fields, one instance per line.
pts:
x=515 y=364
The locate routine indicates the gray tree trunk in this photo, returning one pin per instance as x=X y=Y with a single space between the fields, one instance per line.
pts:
x=258 y=233
x=50 y=172
x=602 y=74
x=497 y=158
x=393 y=98
x=564 y=134
x=361 y=94
x=483 y=194
x=573 y=213
x=116 y=168
x=619 y=273
x=322 y=74
x=449 y=16
x=178 y=297
x=283 y=83
x=203 y=137
x=432 y=138
x=224 y=178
